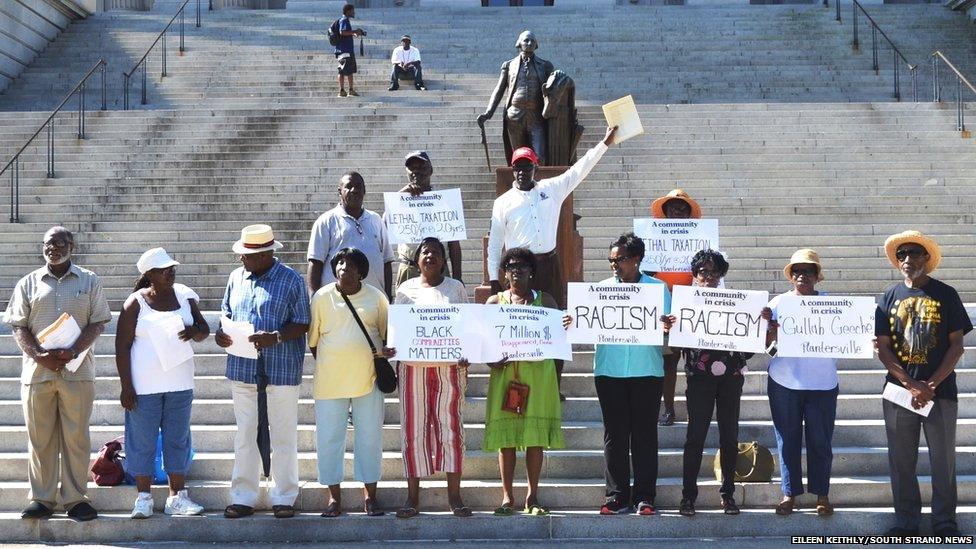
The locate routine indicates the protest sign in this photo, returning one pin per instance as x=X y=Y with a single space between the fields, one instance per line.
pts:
x=616 y=314
x=432 y=333
x=716 y=318
x=669 y=244
x=521 y=332
x=825 y=326
x=410 y=219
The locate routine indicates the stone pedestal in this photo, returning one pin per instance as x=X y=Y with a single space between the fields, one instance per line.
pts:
x=250 y=4
x=569 y=243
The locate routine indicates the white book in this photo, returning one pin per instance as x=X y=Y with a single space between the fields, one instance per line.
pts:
x=903 y=397
x=62 y=334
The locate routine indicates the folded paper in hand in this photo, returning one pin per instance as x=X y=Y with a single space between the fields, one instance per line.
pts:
x=623 y=114
x=164 y=329
x=238 y=333
x=903 y=397
x=62 y=334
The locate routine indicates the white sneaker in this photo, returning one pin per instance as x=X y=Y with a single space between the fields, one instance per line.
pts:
x=143 y=507
x=181 y=504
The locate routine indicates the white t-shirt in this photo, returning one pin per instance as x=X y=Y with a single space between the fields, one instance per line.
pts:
x=802 y=374
x=449 y=291
x=401 y=55
x=148 y=376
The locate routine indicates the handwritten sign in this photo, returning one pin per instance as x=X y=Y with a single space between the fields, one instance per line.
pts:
x=522 y=332
x=431 y=333
x=410 y=219
x=716 y=318
x=616 y=314
x=671 y=243
x=825 y=326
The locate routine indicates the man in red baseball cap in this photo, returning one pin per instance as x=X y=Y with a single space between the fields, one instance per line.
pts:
x=527 y=216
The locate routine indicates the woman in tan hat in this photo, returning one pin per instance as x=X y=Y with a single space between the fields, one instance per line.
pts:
x=802 y=399
x=674 y=205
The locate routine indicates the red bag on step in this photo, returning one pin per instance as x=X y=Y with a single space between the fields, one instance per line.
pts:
x=107 y=469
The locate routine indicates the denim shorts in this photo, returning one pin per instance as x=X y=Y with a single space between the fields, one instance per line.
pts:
x=166 y=412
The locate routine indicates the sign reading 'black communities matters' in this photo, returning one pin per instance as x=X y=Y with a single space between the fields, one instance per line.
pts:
x=717 y=318
x=616 y=314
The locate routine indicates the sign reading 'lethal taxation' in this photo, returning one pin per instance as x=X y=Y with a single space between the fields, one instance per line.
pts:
x=410 y=219
x=716 y=318
x=671 y=243
x=616 y=314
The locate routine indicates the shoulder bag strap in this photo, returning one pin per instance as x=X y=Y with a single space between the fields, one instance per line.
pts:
x=358 y=321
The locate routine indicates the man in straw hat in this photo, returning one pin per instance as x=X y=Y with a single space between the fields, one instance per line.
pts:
x=674 y=205
x=920 y=326
x=272 y=298
x=527 y=216
x=57 y=388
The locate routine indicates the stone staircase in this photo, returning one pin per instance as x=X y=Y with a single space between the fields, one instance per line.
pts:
x=790 y=140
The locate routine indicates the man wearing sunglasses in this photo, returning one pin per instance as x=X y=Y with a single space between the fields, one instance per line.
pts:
x=350 y=225
x=920 y=326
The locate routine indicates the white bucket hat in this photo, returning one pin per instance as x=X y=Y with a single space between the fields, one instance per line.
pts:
x=156 y=258
x=256 y=239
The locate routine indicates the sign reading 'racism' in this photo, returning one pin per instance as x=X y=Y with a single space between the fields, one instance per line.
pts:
x=717 y=318
x=410 y=219
x=671 y=243
x=616 y=314
x=825 y=326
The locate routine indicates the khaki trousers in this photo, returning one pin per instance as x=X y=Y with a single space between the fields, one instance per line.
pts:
x=57 y=414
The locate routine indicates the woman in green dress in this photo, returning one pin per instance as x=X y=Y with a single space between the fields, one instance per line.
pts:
x=540 y=424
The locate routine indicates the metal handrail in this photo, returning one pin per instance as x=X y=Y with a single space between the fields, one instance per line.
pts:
x=960 y=80
x=145 y=64
x=896 y=53
x=49 y=123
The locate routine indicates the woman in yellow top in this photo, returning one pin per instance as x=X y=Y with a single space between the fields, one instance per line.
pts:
x=345 y=376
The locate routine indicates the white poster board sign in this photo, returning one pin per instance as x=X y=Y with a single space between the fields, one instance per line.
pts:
x=825 y=326
x=669 y=244
x=717 y=318
x=432 y=333
x=616 y=314
x=522 y=332
x=410 y=219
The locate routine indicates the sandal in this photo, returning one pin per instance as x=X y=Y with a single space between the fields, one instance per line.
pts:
x=407 y=512
x=535 y=511
x=785 y=507
x=462 y=511
x=369 y=507
x=504 y=511
x=283 y=511
x=824 y=508
x=667 y=419
x=236 y=510
x=332 y=511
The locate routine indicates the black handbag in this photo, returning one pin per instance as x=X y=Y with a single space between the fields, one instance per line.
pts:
x=386 y=378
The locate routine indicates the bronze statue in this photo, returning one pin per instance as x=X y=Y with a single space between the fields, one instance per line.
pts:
x=539 y=107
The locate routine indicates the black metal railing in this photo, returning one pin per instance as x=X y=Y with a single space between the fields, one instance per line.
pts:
x=960 y=81
x=144 y=62
x=14 y=164
x=896 y=56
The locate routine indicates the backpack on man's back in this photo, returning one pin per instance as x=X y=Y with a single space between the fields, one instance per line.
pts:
x=333 y=33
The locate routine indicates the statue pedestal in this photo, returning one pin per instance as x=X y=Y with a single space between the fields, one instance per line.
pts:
x=569 y=243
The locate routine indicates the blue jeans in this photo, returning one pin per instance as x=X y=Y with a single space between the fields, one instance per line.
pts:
x=796 y=413
x=166 y=412
x=414 y=72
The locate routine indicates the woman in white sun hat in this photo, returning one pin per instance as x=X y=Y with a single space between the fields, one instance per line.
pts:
x=157 y=395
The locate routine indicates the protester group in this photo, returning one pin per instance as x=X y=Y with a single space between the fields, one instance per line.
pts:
x=341 y=313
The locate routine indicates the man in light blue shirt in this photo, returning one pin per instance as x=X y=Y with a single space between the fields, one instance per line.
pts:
x=629 y=380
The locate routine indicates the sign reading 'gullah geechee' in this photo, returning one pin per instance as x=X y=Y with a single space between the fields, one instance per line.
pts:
x=616 y=314
x=825 y=326
x=717 y=318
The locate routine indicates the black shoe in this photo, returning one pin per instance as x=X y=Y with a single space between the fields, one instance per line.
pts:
x=729 y=506
x=421 y=88
x=948 y=531
x=686 y=508
x=36 y=510
x=392 y=88
x=83 y=512
x=896 y=531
